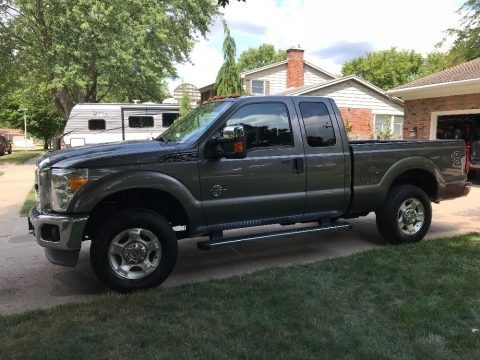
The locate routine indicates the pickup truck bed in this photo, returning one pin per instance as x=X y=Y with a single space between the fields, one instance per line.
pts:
x=378 y=164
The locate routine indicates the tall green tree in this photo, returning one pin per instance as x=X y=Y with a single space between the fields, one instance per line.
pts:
x=435 y=61
x=265 y=54
x=228 y=78
x=91 y=51
x=185 y=103
x=466 y=45
x=386 y=69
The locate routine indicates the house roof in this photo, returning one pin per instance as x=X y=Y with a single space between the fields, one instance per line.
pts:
x=460 y=79
x=270 y=66
x=284 y=62
x=309 y=88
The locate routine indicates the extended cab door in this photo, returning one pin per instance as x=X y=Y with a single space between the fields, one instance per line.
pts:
x=269 y=183
x=327 y=158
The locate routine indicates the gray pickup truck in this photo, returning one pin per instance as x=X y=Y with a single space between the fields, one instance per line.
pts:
x=233 y=163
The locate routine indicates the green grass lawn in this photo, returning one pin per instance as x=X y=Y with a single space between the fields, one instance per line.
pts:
x=28 y=203
x=419 y=301
x=19 y=157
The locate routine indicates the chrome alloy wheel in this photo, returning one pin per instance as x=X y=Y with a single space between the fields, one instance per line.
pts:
x=411 y=216
x=134 y=253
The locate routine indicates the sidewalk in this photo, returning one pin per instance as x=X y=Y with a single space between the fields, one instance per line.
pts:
x=15 y=184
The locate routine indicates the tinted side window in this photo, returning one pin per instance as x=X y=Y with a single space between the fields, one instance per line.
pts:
x=318 y=124
x=265 y=124
x=96 y=124
x=140 y=121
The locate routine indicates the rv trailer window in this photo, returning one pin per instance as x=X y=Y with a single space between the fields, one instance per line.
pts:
x=168 y=119
x=140 y=121
x=96 y=124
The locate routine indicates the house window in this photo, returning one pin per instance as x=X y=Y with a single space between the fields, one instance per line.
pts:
x=96 y=124
x=140 y=121
x=258 y=87
x=388 y=126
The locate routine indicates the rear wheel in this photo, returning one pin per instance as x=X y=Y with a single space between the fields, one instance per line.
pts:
x=405 y=216
x=135 y=249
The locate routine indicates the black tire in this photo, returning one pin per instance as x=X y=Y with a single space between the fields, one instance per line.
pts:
x=10 y=152
x=400 y=219
x=147 y=229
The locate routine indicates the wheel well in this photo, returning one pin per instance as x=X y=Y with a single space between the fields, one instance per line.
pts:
x=420 y=178
x=155 y=200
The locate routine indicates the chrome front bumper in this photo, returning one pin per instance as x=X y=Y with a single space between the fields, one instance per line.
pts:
x=60 y=235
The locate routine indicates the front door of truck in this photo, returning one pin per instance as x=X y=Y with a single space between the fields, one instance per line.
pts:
x=270 y=182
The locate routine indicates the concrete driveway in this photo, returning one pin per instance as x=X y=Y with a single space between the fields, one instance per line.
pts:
x=28 y=281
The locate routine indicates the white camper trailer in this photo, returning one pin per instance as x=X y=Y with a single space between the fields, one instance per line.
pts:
x=103 y=123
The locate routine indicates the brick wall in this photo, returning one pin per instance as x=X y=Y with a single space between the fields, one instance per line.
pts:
x=294 y=67
x=418 y=112
x=361 y=121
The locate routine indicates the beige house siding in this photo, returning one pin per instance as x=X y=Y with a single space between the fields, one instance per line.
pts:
x=354 y=95
x=276 y=76
x=312 y=76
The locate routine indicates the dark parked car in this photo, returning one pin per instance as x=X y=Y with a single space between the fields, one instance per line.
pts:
x=5 y=146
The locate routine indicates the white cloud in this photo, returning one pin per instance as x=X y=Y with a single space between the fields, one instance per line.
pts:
x=316 y=25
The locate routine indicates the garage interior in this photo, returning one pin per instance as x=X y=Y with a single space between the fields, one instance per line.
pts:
x=466 y=127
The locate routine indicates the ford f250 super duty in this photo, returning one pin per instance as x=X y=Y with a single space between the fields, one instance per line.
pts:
x=233 y=163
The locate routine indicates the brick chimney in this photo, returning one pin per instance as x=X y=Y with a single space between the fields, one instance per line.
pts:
x=294 y=67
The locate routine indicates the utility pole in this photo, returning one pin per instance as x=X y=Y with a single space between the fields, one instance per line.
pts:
x=25 y=124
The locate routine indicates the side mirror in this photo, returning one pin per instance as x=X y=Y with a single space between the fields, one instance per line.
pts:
x=231 y=145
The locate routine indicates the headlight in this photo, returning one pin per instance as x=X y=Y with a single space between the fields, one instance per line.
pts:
x=64 y=184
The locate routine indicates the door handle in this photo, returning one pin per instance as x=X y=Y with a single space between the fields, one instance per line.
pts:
x=298 y=166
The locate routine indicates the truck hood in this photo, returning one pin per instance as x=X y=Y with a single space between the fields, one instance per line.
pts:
x=112 y=154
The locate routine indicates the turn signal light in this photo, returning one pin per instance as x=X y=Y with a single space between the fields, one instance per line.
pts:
x=77 y=183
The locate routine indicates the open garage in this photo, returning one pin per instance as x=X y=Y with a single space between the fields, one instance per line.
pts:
x=445 y=105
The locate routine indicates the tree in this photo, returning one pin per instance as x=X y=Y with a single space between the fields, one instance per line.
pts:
x=43 y=121
x=436 y=61
x=228 y=78
x=386 y=69
x=263 y=55
x=185 y=103
x=91 y=51
x=466 y=45
x=226 y=2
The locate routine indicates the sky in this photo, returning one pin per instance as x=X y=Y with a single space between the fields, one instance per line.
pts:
x=330 y=31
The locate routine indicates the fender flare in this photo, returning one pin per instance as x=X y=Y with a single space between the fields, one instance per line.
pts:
x=374 y=194
x=94 y=192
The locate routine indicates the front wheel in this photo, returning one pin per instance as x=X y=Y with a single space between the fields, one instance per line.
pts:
x=133 y=250
x=405 y=216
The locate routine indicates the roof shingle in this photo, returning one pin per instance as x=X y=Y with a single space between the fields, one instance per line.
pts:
x=466 y=71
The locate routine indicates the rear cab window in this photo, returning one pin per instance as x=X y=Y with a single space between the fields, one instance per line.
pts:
x=318 y=124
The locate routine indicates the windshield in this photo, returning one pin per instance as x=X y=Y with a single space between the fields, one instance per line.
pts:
x=191 y=126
